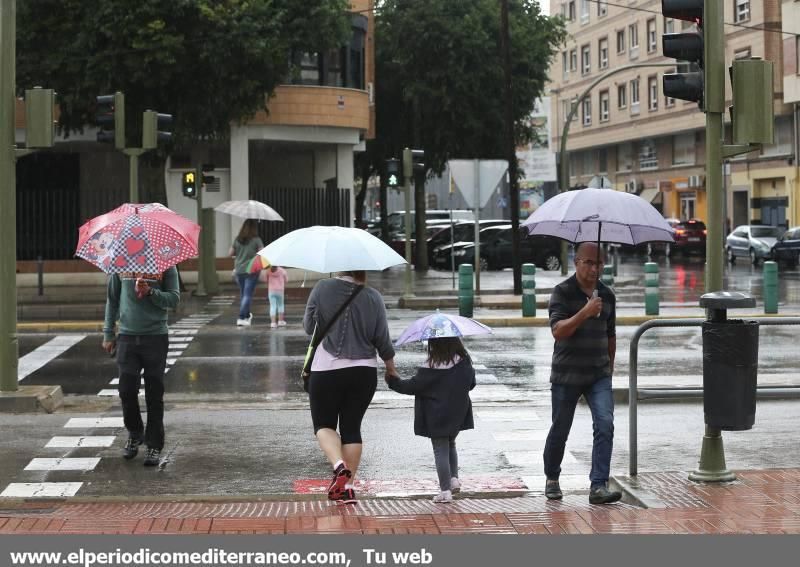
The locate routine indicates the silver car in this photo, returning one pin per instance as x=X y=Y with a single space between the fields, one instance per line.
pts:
x=751 y=241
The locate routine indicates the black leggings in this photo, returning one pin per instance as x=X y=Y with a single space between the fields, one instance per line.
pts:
x=342 y=397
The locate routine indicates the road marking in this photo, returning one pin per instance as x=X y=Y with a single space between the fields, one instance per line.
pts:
x=94 y=422
x=171 y=361
x=508 y=415
x=485 y=379
x=37 y=358
x=533 y=458
x=115 y=382
x=530 y=435
x=479 y=367
x=81 y=441
x=41 y=489
x=113 y=392
x=63 y=464
x=180 y=332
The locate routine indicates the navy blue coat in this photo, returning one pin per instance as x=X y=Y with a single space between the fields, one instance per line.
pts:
x=442 y=406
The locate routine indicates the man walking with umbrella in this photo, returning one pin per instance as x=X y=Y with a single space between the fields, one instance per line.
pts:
x=583 y=323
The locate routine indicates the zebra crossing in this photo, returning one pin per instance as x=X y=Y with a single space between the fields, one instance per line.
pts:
x=181 y=334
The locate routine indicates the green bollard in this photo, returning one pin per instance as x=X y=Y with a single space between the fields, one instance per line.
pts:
x=528 y=290
x=770 y=287
x=608 y=276
x=650 y=288
x=466 y=296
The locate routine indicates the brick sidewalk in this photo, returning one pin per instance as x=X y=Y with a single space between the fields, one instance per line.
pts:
x=761 y=502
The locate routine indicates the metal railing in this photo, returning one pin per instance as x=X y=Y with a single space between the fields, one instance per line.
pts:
x=635 y=394
x=301 y=207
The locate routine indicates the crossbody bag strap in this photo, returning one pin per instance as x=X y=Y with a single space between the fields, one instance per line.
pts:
x=316 y=342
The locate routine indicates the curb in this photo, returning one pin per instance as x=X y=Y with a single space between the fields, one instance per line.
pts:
x=61 y=326
x=633 y=494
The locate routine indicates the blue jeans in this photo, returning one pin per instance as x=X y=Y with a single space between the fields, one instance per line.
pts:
x=601 y=403
x=247 y=284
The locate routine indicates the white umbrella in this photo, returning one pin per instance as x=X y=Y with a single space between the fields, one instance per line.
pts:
x=599 y=215
x=249 y=210
x=331 y=249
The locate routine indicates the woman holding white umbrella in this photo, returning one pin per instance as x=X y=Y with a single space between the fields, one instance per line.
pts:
x=244 y=250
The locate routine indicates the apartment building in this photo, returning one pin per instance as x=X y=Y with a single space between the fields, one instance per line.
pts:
x=654 y=146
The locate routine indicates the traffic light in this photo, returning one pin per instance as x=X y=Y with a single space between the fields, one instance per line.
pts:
x=155 y=128
x=686 y=47
x=394 y=176
x=110 y=118
x=189 y=184
x=418 y=160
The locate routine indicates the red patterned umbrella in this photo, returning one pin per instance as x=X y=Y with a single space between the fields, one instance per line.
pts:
x=147 y=238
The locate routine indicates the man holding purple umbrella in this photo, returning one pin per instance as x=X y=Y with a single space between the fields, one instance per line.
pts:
x=583 y=323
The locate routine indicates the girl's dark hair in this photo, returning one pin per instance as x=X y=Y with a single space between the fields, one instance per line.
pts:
x=444 y=351
x=248 y=231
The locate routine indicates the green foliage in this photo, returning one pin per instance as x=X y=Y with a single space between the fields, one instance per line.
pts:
x=207 y=62
x=439 y=75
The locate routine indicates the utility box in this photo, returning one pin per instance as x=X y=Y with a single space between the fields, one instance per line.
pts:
x=39 y=125
x=752 y=114
x=730 y=363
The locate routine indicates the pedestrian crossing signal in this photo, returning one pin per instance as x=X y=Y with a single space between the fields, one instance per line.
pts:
x=393 y=176
x=189 y=185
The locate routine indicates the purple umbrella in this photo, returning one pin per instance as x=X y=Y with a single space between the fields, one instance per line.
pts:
x=440 y=325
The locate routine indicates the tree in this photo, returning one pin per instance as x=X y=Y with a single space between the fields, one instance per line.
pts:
x=210 y=63
x=439 y=75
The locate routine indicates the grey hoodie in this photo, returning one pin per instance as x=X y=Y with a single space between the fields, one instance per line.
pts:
x=360 y=330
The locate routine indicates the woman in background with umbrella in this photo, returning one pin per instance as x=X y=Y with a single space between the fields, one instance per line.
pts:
x=244 y=250
x=344 y=370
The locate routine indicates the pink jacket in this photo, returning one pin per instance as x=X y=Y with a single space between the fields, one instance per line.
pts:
x=276 y=280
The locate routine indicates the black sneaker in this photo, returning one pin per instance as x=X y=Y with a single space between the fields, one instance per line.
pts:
x=552 y=489
x=131 y=448
x=602 y=495
x=152 y=457
x=341 y=476
x=348 y=496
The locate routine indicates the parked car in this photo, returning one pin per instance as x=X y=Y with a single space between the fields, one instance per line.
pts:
x=786 y=249
x=398 y=240
x=751 y=241
x=665 y=248
x=463 y=231
x=496 y=250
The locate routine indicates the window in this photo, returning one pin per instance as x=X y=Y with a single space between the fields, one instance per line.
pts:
x=564 y=64
x=622 y=95
x=587 y=111
x=602 y=50
x=584 y=11
x=633 y=41
x=604 y=106
x=647 y=155
x=586 y=60
x=652 y=93
x=683 y=148
x=568 y=11
x=669 y=102
x=573 y=60
x=602 y=160
x=651 y=35
x=625 y=157
x=741 y=10
x=635 y=96
x=685 y=25
x=602 y=8
x=620 y=41
x=669 y=25
x=783 y=139
x=797 y=54
x=742 y=53
x=565 y=104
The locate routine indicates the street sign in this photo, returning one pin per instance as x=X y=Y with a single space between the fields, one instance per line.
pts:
x=490 y=171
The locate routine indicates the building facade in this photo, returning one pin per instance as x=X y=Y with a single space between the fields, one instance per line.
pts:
x=626 y=130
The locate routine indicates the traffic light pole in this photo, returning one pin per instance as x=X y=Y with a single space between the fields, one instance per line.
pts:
x=408 y=170
x=8 y=197
x=201 y=269
x=133 y=176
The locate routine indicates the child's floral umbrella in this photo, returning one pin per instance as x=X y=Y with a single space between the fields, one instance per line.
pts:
x=441 y=325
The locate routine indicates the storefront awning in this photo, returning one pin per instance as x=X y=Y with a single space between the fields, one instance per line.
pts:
x=650 y=195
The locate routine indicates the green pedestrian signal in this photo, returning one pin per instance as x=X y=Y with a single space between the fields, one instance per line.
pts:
x=394 y=177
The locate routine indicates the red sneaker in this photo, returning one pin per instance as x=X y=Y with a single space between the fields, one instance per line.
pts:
x=341 y=476
x=347 y=497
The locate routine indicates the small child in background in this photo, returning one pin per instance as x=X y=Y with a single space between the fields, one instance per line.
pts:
x=442 y=406
x=276 y=278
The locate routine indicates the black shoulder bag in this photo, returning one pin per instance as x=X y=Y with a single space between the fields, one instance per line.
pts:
x=318 y=335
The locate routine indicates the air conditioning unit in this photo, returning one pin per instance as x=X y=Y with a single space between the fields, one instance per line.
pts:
x=630 y=187
x=696 y=181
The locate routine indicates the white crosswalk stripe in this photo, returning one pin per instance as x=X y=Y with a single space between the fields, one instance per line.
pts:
x=94 y=422
x=64 y=442
x=41 y=489
x=63 y=464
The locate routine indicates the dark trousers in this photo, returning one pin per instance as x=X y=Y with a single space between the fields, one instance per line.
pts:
x=601 y=403
x=446 y=458
x=134 y=354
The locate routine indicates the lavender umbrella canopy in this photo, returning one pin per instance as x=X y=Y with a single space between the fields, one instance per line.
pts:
x=441 y=325
x=599 y=215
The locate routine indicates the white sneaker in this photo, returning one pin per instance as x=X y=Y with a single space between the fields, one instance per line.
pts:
x=273 y=325
x=444 y=497
x=240 y=322
x=281 y=323
x=455 y=485
x=247 y=322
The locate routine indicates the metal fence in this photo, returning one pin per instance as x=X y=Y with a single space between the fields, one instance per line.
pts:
x=635 y=393
x=302 y=207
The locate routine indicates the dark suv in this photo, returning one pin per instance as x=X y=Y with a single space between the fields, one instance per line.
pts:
x=786 y=250
x=690 y=236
